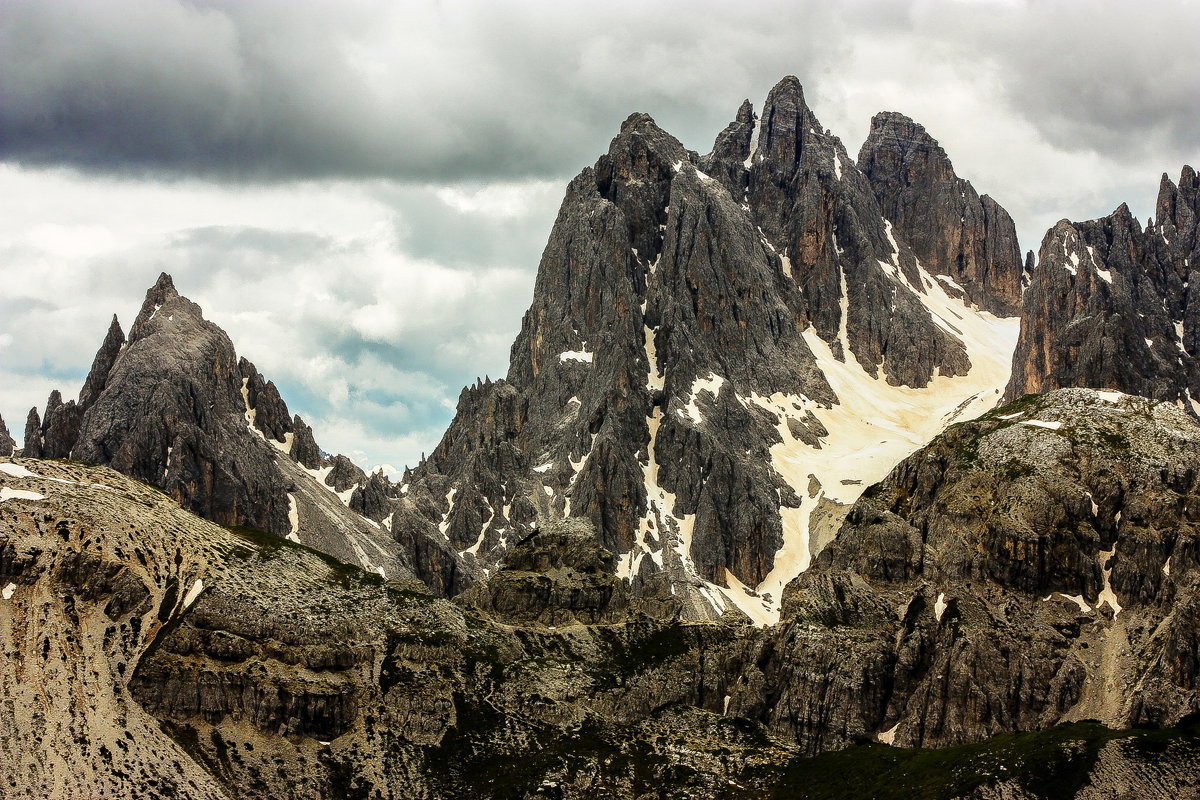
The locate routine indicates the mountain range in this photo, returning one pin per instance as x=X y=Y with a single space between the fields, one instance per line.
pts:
x=796 y=453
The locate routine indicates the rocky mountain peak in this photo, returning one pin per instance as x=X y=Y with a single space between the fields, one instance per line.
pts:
x=102 y=364
x=701 y=334
x=1111 y=305
x=956 y=233
x=174 y=406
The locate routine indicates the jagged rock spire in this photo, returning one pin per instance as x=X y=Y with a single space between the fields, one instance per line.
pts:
x=33 y=435
x=7 y=444
x=106 y=356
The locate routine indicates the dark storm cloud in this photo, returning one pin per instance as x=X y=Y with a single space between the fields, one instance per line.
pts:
x=255 y=89
x=1117 y=78
x=416 y=91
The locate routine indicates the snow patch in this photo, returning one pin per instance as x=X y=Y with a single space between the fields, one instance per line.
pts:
x=753 y=605
x=1107 y=596
x=946 y=279
x=576 y=355
x=889 y=736
x=1078 y=600
x=19 y=494
x=876 y=424
x=749 y=162
x=7 y=593
x=544 y=467
x=1041 y=423
x=444 y=525
x=17 y=471
x=293 y=519
x=939 y=606
x=711 y=384
x=1110 y=397
x=193 y=593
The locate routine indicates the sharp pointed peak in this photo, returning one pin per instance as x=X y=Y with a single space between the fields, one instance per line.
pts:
x=788 y=90
x=745 y=112
x=639 y=122
x=883 y=119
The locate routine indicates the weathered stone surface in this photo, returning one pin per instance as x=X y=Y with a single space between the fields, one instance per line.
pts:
x=304 y=446
x=955 y=232
x=1111 y=306
x=60 y=426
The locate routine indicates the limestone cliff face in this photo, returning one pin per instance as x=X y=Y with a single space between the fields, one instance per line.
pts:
x=953 y=230
x=673 y=365
x=1113 y=306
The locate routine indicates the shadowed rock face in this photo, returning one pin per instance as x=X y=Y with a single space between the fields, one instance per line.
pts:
x=955 y=232
x=1113 y=306
x=673 y=288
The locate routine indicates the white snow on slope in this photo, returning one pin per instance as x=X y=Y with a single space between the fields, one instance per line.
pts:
x=293 y=519
x=19 y=494
x=1041 y=423
x=193 y=593
x=749 y=162
x=877 y=424
x=873 y=428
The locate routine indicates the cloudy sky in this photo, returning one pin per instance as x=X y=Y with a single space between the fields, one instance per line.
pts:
x=358 y=191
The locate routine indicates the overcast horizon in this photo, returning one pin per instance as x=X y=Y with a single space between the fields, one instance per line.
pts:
x=359 y=192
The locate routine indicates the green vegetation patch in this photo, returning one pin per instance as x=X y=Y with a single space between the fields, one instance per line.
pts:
x=1050 y=764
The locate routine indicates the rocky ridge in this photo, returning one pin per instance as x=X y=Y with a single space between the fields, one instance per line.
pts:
x=1113 y=306
x=7 y=444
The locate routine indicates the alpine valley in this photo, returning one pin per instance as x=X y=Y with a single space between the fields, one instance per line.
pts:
x=803 y=482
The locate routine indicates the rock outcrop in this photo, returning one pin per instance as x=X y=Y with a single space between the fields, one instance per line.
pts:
x=1113 y=306
x=1036 y=565
x=967 y=241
